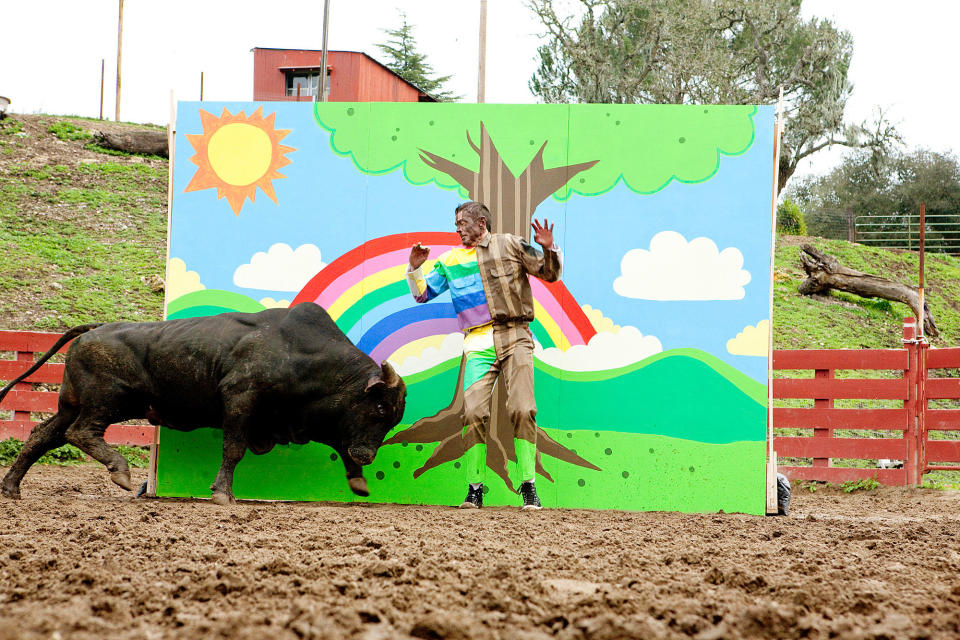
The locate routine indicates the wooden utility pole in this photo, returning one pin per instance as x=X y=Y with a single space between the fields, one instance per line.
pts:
x=119 y=50
x=923 y=225
x=322 y=80
x=482 y=64
x=103 y=66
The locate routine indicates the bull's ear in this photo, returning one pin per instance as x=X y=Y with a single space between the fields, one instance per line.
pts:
x=390 y=377
x=375 y=382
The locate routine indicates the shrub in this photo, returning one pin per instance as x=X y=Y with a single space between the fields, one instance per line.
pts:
x=137 y=457
x=69 y=131
x=863 y=484
x=790 y=218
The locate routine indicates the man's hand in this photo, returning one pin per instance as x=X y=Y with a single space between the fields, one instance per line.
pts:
x=543 y=234
x=418 y=255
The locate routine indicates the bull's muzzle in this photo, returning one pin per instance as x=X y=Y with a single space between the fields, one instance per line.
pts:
x=362 y=455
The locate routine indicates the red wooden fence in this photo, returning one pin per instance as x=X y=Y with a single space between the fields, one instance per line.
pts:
x=25 y=398
x=912 y=390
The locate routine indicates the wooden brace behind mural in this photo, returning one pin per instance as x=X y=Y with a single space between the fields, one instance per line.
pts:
x=651 y=353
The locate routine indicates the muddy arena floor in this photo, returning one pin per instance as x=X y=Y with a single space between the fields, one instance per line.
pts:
x=79 y=558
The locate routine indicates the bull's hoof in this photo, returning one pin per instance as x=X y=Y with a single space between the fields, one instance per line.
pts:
x=122 y=480
x=222 y=499
x=11 y=493
x=359 y=486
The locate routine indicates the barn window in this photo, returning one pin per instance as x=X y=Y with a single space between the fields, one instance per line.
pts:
x=307 y=82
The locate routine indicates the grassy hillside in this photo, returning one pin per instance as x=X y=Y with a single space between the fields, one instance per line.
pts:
x=845 y=321
x=83 y=234
x=82 y=230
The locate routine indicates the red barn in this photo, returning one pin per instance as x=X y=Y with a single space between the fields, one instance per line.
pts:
x=352 y=76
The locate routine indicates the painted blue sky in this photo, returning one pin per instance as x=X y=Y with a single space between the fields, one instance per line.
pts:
x=326 y=201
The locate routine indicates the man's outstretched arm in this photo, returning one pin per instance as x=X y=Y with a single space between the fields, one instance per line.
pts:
x=547 y=265
x=424 y=288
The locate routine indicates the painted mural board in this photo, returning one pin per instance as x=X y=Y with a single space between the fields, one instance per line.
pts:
x=651 y=357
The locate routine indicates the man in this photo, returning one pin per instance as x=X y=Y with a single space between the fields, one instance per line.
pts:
x=488 y=282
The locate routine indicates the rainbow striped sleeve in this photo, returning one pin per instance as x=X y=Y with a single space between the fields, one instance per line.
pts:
x=429 y=287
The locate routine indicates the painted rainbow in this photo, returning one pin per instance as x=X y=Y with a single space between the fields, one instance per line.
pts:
x=365 y=291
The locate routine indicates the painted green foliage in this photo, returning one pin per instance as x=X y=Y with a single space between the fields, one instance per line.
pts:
x=646 y=148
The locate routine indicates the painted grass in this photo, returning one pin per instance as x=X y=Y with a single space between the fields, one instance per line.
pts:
x=646 y=473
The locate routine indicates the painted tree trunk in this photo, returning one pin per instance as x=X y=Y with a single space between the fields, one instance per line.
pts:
x=512 y=201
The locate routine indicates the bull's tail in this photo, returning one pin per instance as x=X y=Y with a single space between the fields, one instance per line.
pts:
x=64 y=339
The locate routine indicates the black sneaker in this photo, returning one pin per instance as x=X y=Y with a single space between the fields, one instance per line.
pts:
x=530 y=499
x=474 y=499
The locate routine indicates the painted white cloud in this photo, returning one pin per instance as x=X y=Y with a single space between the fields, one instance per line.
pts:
x=180 y=281
x=604 y=351
x=451 y=347
x=599 y=321
x=674 y=269
x=270 y=303
x=280 y=268
x=752 y=341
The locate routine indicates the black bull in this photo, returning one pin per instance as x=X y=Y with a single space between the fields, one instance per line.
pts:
x=267 y=378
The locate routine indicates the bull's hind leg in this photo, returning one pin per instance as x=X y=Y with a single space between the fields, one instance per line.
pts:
x=87 y=435
x=45 y=436
x=234 y=446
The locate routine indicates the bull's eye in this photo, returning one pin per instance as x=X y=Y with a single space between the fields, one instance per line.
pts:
x=381 y=409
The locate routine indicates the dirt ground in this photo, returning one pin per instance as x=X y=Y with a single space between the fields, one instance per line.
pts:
x=79 y=558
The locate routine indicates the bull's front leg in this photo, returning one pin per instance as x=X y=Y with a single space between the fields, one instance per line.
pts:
x=358 y=484
x=234 y=446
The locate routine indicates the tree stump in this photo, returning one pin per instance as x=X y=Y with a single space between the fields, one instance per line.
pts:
x=824 y=272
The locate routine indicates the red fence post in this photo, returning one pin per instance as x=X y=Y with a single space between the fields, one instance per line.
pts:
x=922 y=373
x=23 y=356
x=914 y=404
x=822 y=403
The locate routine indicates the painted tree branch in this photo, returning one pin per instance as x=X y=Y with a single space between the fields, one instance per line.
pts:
x=824 y=272
x=511 y=200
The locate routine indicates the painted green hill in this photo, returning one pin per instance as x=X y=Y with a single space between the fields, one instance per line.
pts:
x=682 y=393
x=209 y=302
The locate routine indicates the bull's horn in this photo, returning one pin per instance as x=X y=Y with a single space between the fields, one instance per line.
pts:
x=390 y=377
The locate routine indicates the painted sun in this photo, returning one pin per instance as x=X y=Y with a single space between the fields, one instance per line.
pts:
x=235 y=154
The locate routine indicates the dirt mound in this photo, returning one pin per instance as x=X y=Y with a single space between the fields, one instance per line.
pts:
x=81 y=559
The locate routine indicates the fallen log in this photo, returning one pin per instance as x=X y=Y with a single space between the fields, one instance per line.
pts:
x=824 y=272
x=151 y=143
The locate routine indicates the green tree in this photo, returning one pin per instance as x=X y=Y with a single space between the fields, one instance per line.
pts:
x=863 y=184
x=708 y=52
x=884 y=191
x=931 y=178
x=411 y=65
x=790 y=218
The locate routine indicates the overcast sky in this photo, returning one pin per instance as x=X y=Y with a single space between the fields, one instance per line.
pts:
x=53 y=49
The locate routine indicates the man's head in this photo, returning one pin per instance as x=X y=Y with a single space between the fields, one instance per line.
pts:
x=473 y=220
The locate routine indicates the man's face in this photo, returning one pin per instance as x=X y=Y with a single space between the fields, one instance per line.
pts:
x=470 y=230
